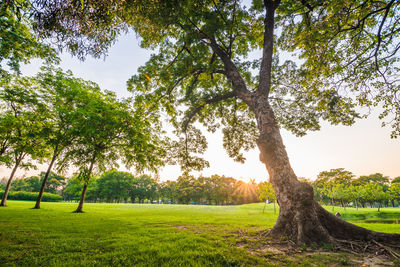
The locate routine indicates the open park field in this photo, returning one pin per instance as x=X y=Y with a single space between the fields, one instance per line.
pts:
x=164 y=235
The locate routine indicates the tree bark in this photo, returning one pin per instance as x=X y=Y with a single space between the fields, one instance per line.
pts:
x=82 y=200
x=301 y=218
x=7 y=190
x=85 y=186
x=46 y=176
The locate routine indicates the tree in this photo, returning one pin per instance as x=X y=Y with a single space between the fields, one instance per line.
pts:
x=73 y=189
x=25 y=140
x=375 y=193
x=56 y=183
x=374 y=178
x=108 y=130
x=32 y=184
x=144 y=187
x=331 y=183
x=115 y=185
x=202 y=65
x=61 y=92
x=266 y=192
x=169 y=192
x=394 y=192
x=18 y=185
x=396 y=180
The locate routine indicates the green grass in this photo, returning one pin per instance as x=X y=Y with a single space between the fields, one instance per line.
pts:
x=154 y=235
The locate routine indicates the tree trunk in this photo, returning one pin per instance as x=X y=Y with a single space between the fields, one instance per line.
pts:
x=301 y=218
x=83 y=195
x=5 y=194
x=46 y=176
x=82 y=200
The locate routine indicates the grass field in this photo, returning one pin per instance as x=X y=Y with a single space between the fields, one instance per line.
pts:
x=159 y=235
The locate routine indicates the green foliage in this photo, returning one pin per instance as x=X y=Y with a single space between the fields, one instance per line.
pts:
x=349 y=47
x=32 y=184
x=396 y=180
x=333 y=46
x=73 y=189
x=394 y=192
x=55 y=184
x=340 y=186
x=115 y=185
x=22 y=195
x=373 y=178
x=26 y=111
x=18 y=44
x=144 y=187
x=266 y=192
x=107 y=130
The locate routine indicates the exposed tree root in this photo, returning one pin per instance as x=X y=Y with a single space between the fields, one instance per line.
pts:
x=312 y=224
x=361 y=251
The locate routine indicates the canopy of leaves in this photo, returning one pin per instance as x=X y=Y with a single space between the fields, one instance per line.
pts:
x=344 y=50
x=18 y=44
x=23 y=120
x=107 y=130
x=349 y=46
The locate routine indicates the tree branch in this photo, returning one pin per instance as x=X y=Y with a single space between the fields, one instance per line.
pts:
x=215 y=99
x=266 y=62
x=231 y=71
x=379 y=33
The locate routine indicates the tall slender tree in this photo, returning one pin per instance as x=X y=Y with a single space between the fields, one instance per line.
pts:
x=25 y=142
x=61 y=92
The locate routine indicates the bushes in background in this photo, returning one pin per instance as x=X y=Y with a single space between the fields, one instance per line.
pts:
x=22 y=195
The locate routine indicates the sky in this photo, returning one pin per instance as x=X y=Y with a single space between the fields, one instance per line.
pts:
x=363 y=148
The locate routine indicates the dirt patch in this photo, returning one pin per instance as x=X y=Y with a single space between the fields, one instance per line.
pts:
x=181 y=227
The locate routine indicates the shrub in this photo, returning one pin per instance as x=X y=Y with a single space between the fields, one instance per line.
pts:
x=22 y=195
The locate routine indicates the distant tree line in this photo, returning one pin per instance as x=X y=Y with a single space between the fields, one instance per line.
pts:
x=116 y=187
x=341 y=187
x=336 y=187
x=123 y=187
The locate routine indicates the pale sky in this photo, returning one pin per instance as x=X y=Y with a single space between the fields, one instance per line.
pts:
x=363 y=148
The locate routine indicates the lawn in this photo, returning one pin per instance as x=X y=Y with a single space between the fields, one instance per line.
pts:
x=158 y=235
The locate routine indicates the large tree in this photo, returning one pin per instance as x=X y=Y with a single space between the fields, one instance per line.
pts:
x=202 y=72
